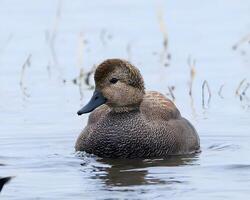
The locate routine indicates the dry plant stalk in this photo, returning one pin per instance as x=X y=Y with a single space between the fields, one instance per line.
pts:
x=26 y=64
x=205 y=84
x=87 y=77
x=165 y=56
x=220 y=91
x=239 y=86
x=245 y=89
x=171 y=89
x=80 y=78
x=52 y=37
x=191 y=64
x=244 y=39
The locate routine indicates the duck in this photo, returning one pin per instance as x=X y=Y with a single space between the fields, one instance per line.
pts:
x=128 y=122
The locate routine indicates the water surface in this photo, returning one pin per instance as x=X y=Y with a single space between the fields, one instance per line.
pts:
x=39 y=100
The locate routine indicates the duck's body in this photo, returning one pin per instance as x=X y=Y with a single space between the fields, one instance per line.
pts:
x=155 y=130
x=152 y=128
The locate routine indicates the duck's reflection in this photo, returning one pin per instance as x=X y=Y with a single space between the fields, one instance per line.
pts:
x=117 y=172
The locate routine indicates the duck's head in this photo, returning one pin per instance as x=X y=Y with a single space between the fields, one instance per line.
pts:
x=118 y=84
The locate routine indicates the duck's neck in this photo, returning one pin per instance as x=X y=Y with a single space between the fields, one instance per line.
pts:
x=125 y=109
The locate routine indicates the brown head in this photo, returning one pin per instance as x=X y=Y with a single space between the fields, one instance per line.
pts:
x=118 y=84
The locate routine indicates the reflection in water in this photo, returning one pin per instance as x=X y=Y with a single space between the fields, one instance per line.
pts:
x=123 y=172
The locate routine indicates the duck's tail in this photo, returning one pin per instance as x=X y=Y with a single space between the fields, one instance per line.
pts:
x=3 y=181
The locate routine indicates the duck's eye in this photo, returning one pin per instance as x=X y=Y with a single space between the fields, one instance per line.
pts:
x=113 y=80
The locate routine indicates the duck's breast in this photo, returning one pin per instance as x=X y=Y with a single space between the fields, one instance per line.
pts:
x=117 y=135
x=130 y=135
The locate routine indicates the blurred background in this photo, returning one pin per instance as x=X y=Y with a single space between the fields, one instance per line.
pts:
x=197 y=53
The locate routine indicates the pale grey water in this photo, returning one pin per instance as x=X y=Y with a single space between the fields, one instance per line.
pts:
x=37 y=133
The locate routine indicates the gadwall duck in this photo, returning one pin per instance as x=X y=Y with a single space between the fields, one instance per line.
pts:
x=128 y=122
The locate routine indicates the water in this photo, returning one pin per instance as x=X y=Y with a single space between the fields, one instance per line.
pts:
x=39 y=124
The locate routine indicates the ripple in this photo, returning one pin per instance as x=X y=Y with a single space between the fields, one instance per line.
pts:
x=238 y=166
x=222 y=147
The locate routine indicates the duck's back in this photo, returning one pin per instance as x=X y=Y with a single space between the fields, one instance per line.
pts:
x=156 y=107
x=162 y=114
x=156 y=130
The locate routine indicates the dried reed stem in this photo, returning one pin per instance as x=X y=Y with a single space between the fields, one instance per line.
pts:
x=171 y=89
x=80 y=52
x=239 y=86
x=244 y=39
x=165 y=56
x=205 y=84
x=26 y=64
x=245 y=89
x=220 y=91
x=87 y=77
x=54 y=31
x=191 y=64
